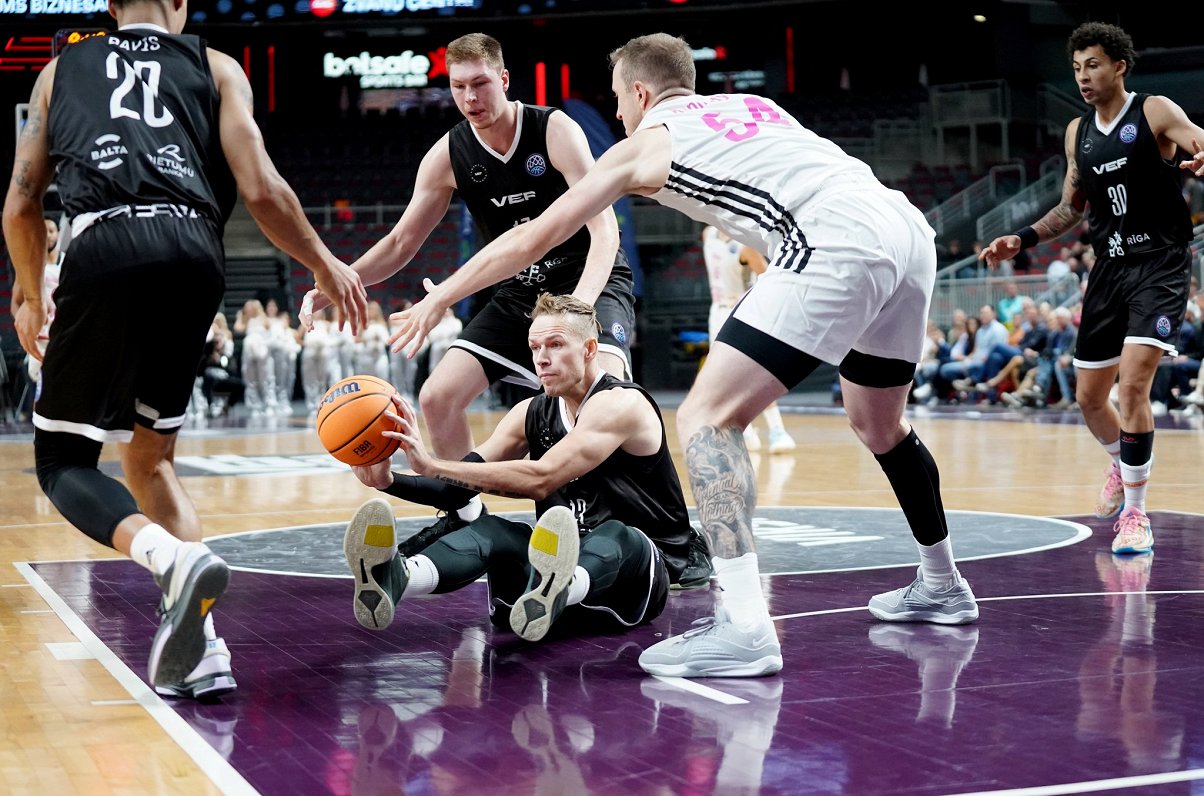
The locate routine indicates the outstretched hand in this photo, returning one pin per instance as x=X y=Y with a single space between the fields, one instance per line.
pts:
x=1005 y=247
x=417 y=321
x=1196 y=164
x=343 y=286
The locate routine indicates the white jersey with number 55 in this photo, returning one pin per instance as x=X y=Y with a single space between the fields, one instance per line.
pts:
x=742 y=163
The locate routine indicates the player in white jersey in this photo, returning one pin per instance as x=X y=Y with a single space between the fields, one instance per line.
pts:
x=850 y=276
x=731 y=269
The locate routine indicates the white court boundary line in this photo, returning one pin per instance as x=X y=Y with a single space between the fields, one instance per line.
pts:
x=1136 y=781
x=213 y=765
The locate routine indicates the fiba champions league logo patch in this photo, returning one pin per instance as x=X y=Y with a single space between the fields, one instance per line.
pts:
x=1163 y=326
x=618 y=333
x=536 y=165
x=1128 y=133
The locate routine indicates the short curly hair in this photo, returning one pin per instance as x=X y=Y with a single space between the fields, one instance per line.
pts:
x=1116 y=43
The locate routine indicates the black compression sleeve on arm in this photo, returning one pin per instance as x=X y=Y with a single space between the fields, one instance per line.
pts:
x=432 y=491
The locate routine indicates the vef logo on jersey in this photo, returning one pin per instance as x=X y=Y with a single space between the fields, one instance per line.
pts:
x=169 y=161
x=108 y=156
x=536 y=165
x=1163 y=326
x=1128 y=133
x=478 y=173
x=618 y=333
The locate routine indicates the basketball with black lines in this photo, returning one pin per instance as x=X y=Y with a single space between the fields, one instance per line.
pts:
x=352 y=417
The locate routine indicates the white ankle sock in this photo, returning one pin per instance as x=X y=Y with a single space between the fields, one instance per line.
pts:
x=1113 y=450
x=154 y=548
x=936 y=564
x=579 y=587
x=471 y=510
x=743 y=600
x=1136 y=478
x=424 y=578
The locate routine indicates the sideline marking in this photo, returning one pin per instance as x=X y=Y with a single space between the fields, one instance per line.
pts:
x=211 y=764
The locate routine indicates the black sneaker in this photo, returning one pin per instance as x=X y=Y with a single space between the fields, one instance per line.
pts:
x=447 y=522
x=370 y=545
x=698 y=569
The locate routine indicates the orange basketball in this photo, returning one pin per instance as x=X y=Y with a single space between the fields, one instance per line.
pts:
x=352 y=417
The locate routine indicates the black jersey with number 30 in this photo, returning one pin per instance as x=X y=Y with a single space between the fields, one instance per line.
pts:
x=503 y=191
x=1135 y=203
x=134 y=120
x=641 y=491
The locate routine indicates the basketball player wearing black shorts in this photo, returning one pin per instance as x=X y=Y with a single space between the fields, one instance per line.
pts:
x=1121 y=173
x=508 y=161
x=151 y=133
x=613 y=531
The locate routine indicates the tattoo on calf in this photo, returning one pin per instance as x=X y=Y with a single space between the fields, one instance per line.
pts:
x=725 y=489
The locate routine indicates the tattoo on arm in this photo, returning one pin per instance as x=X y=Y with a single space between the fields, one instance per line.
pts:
x=21 y=179
x=479 y=488
x=1067 y=213
x=725 y=489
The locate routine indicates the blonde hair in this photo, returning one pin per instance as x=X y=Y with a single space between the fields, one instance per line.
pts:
x=658 y=60
x=580 y=316
x=476 y=47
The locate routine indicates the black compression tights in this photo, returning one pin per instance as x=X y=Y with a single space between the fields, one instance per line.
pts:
x=67 y=472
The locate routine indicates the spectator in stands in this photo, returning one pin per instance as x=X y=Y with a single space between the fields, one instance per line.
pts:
x=1037 y=384
x=966 y=372
x=934 y=354
x=1012 y=303
x=731 y=269
x=257 y=372
x=507 y=162
x=50 y=281
x=321 y=363
x=283 y=350
x=1011 y=362
x=1140 y=228
x=220 y=387
x=372 y=345
x=1172 y=380
x=402 y=369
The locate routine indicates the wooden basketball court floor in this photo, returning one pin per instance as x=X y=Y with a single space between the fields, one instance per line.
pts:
x=1084 y=672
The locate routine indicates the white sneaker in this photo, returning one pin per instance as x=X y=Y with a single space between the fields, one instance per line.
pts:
x=952 y=605
x=210 y=678
x=191 y=586
x=922 y=392
x=716 y=647
x=1158 y=408
x=780 y=441
x=752 y=440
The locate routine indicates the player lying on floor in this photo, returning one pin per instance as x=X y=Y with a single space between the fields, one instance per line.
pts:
x=613 y=532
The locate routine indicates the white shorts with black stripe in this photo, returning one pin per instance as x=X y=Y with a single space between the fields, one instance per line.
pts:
x=866 y=283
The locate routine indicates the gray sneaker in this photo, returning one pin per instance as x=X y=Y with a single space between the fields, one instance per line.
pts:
x=715 y=647
x=953 y=605
x=552 y=552
x=370 y=545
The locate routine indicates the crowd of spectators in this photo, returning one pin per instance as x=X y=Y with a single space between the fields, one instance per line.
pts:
x=1019 y=353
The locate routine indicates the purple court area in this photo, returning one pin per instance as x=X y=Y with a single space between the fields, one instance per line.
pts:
x=1083 y=667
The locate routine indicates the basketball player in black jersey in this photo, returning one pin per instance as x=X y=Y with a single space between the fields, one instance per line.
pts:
x=147 y=133
x=1121 y=173
x=613 y=529
x=508 y=162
